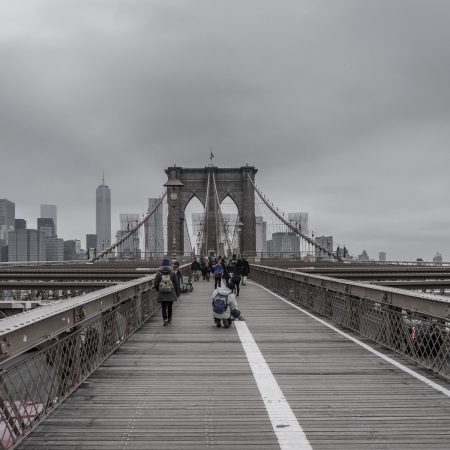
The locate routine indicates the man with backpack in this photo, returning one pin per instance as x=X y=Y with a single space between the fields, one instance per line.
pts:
x=168 y=287
x=224 y=307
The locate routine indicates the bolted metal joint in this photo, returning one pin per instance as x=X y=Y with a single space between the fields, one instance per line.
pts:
x=80 y=313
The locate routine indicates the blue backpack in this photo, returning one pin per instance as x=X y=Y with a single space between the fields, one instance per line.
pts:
x=219 y=304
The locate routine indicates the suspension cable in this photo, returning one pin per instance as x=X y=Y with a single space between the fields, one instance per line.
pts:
x=292 y=227
x=220 y=214
x=135 y=228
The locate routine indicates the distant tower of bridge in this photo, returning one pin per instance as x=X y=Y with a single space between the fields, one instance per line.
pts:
x=211 y=185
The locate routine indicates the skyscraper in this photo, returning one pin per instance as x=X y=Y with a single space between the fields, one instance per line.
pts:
x=7 y=217
x=261 y=235
x=103 y=216
x=154 y=231
x=299 y=219
x=47 y=225
x=49 y=212
x=130 y=247
x=55 y=249
x=91 y=241
x=27 y=245
x=324 y=241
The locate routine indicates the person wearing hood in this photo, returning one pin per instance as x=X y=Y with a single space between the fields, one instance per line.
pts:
x=168 y=287
x=224 y=306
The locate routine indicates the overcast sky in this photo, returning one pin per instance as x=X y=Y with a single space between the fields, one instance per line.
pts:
x=343 y=106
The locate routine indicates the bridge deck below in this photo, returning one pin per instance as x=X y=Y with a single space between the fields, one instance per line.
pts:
x=190 y=386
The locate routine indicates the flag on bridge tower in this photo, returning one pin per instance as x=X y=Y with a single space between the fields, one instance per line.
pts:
x=212 y=155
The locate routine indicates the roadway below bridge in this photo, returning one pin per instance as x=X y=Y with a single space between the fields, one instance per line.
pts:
x=281 y=379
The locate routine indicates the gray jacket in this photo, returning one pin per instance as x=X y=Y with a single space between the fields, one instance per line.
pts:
x=231 y=302
x=167 y=296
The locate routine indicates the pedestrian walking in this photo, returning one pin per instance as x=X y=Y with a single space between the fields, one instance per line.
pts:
x=237 y=275
x=196 y=269
x=218 y=271
x=168 y=287
x=245 y=271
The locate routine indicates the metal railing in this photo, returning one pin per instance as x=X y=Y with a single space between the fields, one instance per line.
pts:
x=48 y=352
x=416 y=326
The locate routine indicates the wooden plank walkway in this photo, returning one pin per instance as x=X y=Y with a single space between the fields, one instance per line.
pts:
x=189 y=386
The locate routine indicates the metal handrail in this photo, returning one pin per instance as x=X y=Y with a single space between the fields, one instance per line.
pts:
x=415 y=325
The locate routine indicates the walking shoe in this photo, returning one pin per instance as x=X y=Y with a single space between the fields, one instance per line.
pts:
x=218 y=324
x=169 y=320
x=225 y=323
x=165 y=323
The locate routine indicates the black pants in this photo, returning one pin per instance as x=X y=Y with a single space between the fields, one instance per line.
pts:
x=237 y=283
x=217 y=282
x=166 y=308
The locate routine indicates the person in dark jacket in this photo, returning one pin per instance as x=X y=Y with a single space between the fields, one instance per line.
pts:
x=195 y=269
x=237 y=274
x=245 y=271
x=168 y=287
x=218 y=270
x=205 y=269
x=178 y=273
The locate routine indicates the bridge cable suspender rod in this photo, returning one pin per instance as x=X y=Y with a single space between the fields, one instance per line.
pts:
x=289 y=224
x=221 y=218
x=188 y=234
x=133 y=230
x=204 y=224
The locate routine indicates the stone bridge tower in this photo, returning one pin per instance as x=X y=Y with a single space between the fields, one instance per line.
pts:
x=183 y=184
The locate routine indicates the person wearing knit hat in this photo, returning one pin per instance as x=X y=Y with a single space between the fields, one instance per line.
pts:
x=168 y=287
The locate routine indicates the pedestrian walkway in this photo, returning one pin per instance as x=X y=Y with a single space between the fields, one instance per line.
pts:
x=282 y=379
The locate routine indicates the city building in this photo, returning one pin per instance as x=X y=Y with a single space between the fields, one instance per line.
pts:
x=7 y=217
x=49 y=212
x=261 y=236
x=197 y=230
x=230 y=221
x=3 y=251
x=382 y=256
x=363 y=256
x=130 y=247
x=26 y=245
x=20 y=224
x=437 y=258
x=299 y=220
x=103 y=216
x=154 y=231
x=70 y=253
x=284 y=244
x=324 y=241
x=91 y=241
x=55 y=249
x=47 y=226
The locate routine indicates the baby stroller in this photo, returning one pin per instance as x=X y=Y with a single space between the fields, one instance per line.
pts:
x=186 y=285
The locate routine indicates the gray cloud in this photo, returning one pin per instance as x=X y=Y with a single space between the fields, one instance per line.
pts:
x=343 y=106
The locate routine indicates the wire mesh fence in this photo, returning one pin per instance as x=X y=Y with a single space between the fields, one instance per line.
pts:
x=33 y=387
x=420 y=337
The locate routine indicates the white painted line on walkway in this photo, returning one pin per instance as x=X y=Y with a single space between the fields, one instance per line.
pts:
x=289 y=433
x=395 y=363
